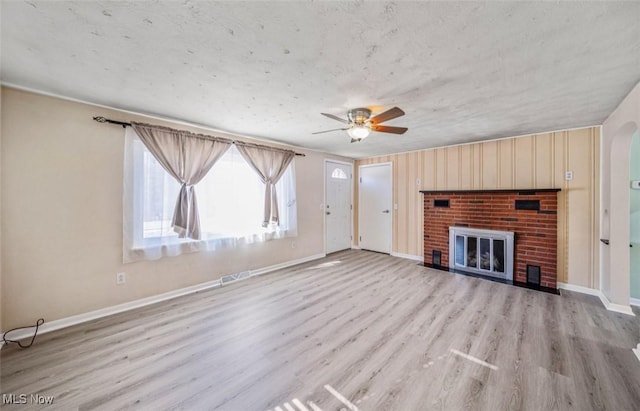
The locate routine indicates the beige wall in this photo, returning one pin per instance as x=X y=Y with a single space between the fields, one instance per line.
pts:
x=62 y=215
x=617 y=131
x=535 y=161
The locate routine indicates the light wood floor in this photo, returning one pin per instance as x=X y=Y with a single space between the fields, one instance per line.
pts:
x=356 y=330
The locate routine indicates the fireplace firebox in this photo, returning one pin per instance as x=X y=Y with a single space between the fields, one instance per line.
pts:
x=487 y=252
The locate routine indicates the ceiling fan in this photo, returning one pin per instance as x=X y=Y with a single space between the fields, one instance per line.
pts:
x=360 y=123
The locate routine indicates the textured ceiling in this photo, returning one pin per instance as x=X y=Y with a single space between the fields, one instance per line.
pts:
x=462 y=71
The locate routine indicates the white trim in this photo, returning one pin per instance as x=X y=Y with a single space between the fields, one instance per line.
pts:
x=375 y=164
x=601 y=245
x=634 y=301
x=264 y=270
x=408 y=256
x=156 y=117
x=263 y=139
x=636 y=351
x=578 y=289
x=481 y=141
x=324 y=207
x=115 y=309
x=619 y=308
x=143 y=302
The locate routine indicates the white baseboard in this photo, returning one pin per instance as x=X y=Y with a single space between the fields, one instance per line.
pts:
x=408 y=256
x=400 y=255
x=634 y=301
x=264 y=270
x=578 y=289
x=105 y=312
x=619 y=308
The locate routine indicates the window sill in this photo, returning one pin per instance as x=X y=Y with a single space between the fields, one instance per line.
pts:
x=211 y=242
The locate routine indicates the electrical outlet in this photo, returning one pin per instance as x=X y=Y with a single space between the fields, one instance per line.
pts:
x=293 y=244
x=121 y=278
x=568 y=175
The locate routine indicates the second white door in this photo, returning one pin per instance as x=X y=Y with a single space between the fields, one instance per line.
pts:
x=375 y=207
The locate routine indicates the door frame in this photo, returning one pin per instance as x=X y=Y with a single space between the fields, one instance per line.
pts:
x=392 y=206
x=324 y=201
x=615 y=270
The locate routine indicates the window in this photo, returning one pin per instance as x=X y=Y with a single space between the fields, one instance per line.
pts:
x=231 y=199
x=339 y=174
x=230 y=203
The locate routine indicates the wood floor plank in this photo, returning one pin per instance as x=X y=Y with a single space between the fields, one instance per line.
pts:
x=383 y=333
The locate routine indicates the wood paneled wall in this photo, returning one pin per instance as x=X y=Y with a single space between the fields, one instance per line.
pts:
x=534 y=161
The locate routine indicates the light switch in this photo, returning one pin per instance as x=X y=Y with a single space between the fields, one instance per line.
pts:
x=418 y=181
x=635 y=185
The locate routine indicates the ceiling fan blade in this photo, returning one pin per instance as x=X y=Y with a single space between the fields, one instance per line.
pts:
x=389 y=129
x=327 y=131
x=387 y=115
x=335 y=118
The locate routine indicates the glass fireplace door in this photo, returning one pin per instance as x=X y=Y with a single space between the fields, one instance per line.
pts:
x=484 y=254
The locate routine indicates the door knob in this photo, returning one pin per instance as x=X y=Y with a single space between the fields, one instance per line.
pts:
x=385 y=211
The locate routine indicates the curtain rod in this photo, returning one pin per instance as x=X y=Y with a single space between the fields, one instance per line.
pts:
x=100 y=119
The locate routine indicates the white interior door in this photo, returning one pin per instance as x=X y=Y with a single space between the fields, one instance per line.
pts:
x=338 y=177
x=375 y=207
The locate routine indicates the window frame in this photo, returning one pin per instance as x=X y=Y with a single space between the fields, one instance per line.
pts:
x=137 y=247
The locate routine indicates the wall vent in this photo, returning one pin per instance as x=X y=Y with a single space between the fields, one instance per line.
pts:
x=235 y=277
x=441 y=203
x=436 y=258
x=533 y=274
x=528 y=205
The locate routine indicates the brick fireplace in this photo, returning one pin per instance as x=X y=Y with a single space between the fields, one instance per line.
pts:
x=530 y=214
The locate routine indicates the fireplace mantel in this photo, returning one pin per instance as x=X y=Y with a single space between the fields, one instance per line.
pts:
x=531 y=214
x=521 y=191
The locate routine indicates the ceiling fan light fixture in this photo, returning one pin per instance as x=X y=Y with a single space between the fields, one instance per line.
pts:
x=358 y=132
x=360 y=124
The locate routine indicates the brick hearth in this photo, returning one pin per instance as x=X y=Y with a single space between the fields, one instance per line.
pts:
x=536 y=231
